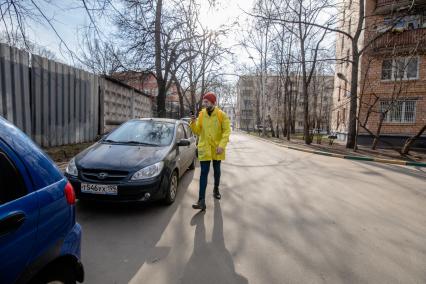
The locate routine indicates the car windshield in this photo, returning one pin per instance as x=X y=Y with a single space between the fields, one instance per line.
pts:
x=143 y=132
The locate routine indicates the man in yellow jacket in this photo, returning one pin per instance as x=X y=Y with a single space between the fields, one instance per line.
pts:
x=213 y=129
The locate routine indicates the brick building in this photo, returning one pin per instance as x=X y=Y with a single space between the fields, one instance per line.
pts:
x=392 y=78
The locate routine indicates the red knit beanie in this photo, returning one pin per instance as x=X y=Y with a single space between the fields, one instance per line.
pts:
x=211 y=97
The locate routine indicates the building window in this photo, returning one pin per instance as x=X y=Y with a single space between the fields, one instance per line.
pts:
x=247 y=113
x=400 y=23
x=400 y=68
x=246 y=93
x=399 y=111
x=412 y=68
x=387 y=69
x=300 y=123
x=343 y=115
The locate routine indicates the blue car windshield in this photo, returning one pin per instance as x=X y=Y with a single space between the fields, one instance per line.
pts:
x=143 y=132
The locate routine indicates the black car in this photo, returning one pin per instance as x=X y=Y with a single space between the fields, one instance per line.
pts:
x=141 y=160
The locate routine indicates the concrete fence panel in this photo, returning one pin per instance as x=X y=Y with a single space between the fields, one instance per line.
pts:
x=120 y=103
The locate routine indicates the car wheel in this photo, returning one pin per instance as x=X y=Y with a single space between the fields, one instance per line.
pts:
x=63 y=274
x=172 y=189
x=192 y=165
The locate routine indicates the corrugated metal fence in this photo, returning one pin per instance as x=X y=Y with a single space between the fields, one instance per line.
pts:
x=15 y=87
x=65 y=103
x=57 y=104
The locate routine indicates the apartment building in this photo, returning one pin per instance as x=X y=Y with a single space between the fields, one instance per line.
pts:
x=249 y=90
x=392 y=77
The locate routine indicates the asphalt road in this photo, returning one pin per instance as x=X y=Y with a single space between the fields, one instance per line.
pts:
x=285 y=217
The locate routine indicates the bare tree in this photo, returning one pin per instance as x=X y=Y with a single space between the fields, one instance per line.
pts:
x=24 y=43
x=257 y=42
x=410 y=141
x=100 y=57
x=304 y=15
x=166 y=38
x=334 y=24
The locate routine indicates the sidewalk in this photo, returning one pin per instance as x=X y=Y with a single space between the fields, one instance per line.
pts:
x=415 y=158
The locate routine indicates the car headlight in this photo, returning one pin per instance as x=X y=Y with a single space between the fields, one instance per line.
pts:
x=72 y=168
x=148 y=172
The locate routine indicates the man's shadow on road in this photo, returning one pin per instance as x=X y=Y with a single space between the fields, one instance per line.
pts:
x=210 y=262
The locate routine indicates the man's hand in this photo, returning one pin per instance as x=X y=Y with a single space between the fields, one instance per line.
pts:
x=193 y=118
x=219 y=150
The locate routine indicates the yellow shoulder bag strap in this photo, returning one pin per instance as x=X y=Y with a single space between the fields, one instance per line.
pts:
x=219 y=118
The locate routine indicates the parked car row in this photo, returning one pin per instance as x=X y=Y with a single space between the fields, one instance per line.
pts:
x=142 y=160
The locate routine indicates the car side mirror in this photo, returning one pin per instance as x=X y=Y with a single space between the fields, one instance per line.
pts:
x=184 y=142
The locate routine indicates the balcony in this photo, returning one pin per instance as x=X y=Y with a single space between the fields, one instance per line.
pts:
x=402 y=41
x=388 y=6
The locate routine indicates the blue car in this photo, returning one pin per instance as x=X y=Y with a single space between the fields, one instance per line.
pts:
x=39 y=237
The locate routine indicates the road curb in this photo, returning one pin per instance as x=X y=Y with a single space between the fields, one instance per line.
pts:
x=349 y=157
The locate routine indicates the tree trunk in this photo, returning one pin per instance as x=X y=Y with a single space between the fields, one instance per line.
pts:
x=180 y=94
x=319 y=122
x=379 y=130
x=289 y=100
x=161 y=96
x=271 y=124
x=315 y=94
x=257 y=107
x=304 y=85
x=350 y=143
x=410 y=141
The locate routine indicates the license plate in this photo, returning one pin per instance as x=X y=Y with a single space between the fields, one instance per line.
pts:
x=99 y=188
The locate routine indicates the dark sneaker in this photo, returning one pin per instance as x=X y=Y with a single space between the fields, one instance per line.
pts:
x=216 y=193
x=199 y=205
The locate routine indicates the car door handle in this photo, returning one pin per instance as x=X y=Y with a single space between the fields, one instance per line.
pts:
x=11 y=223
